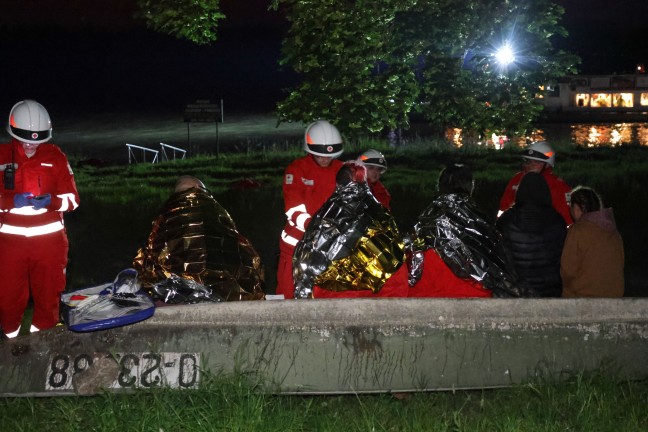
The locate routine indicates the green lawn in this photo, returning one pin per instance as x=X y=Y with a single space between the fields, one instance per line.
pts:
x=118 y=202
x=585 y=403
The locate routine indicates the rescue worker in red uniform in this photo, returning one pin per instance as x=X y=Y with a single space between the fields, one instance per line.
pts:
x=36 y=187
x=308 y=182
x=376 y=166
x=541 y=159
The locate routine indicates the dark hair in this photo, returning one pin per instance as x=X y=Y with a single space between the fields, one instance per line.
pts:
x=457 y=179
x=586 y=198
x=533 y=189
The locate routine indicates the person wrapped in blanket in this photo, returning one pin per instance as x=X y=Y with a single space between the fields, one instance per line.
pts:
x=455 y=252
x=351 y=247
x=194 y=252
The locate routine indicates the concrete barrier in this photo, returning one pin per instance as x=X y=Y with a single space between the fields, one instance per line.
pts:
x=338 y=346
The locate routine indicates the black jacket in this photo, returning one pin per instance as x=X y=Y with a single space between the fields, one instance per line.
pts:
x=534 y=234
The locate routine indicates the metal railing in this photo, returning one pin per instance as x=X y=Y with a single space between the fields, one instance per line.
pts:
x=176 y=153
x=132 y=157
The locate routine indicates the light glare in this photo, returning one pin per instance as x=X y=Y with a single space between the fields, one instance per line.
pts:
x=505 y=55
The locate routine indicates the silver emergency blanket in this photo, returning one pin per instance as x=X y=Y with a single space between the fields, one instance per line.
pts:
x=177 y=290
x=352 y=243
x=195 y=239
x=467 y=243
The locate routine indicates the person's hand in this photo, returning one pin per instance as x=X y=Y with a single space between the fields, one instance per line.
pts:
x=23 y=199
x=41 y=201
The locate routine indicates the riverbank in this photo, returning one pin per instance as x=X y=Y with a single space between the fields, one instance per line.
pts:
x=118 y=202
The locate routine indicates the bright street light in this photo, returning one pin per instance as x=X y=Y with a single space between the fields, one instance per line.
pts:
x=505 y=55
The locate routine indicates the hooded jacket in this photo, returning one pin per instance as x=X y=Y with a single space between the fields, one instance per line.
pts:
x=534 y=234
x=592 y=259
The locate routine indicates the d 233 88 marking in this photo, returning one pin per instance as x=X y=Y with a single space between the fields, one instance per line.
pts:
x=137 y=370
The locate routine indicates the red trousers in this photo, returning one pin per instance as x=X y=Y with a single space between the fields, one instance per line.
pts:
x=285 y=281
x=33 y=265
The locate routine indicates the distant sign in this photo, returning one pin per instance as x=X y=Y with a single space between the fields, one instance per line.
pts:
x=203 y=110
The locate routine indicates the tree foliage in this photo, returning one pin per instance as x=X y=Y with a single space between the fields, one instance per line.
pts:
x=193 y=20
x=350 y=74
x=368 y=65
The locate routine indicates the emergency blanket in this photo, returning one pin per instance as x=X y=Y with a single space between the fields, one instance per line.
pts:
x=467 y=243
x=176 y=290
x=195 y=239
x=110 y=305
x=352 y=243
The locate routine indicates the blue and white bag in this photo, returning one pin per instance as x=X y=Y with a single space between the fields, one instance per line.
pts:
x=115 y=304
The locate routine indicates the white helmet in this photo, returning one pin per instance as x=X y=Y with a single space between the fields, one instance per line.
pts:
x=323 y=139
x=374 y=158
x=29 y=122
x=540 y=151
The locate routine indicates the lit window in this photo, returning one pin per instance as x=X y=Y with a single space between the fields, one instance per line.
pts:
x=622 y=100
x=601 y=100
x=644 y=99
x=582 y=100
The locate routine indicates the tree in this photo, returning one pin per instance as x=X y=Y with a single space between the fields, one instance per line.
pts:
x=351 y=75
x=463 y=85
x=367 y=65
x=193 y=20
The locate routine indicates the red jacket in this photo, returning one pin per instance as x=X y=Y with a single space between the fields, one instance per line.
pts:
x=46 y=172
x=306 y=187
x=380 y=192
x=559 y=193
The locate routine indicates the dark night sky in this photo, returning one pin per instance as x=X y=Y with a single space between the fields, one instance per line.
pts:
x=93 y=56
x=77 y=56
x=610 y=36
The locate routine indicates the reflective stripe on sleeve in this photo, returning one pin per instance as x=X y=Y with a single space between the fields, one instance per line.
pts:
x=299 y=208
x=292 y=241
x=300 y=222
x=68 y=202
x=32 y=231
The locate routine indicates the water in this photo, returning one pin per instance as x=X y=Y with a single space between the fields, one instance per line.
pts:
x=578 y=134
x=596 y=134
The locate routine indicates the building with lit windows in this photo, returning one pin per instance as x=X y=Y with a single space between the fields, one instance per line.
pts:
x=597 y=97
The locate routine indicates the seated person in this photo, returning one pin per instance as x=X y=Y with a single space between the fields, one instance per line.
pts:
x=194 y=239
x=593 y=257
x=534 y=233
x=352 y=245
x=455 y=251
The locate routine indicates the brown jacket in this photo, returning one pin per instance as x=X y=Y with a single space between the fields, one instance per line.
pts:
x=592 y=259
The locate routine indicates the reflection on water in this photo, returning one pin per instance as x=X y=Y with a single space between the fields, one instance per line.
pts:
x=600 y=135
x=580 y=134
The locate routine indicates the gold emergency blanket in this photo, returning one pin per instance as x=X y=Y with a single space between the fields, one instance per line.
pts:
x=195 y=239
x=352 y=243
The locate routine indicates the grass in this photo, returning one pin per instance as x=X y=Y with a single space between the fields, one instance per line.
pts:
x=118 y=202
x=595 y=402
